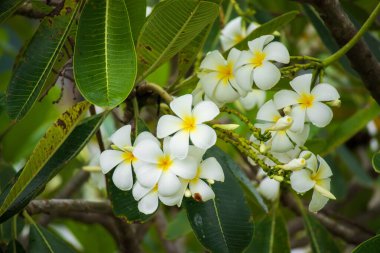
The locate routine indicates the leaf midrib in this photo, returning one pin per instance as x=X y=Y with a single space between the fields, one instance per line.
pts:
x=315 y=242
x=43 y=238
x=219 y=222
x=271 y=238
x=106 y=51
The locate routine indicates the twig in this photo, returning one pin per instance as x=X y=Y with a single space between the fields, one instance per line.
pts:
x=146 y=87
x=99 y=137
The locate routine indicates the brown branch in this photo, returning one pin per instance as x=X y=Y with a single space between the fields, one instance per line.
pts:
x=342 y=29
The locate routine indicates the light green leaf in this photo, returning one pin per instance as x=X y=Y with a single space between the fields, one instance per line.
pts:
x=376 y=161
x=223 y=224
x=104 y=55
x=371 y=245
x=44 y=150
x=7 y=7
x=267 y=28
x=170 y=27
x=36 y=62
x=42 y=240
x=136 y=13
x=66 y=152
x=271 y=235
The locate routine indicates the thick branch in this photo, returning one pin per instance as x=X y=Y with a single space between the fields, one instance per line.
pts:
x=342 y=29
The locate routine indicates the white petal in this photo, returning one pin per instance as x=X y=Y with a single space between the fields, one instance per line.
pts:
x=203 y=136
x=175 y=199
x=299 y=138
x=318 y=201
x=205 y=111
x=149 y=203
x=209 y=83
x=196 y=153
x=122 y=137
x=233 y=27
x=301 y=181
x=167 y=125
x=312 y=162
x=325 y=92
x=237 y=87
x=147 y=151
x=185 y=168
x=324 y=170
x=122 y=176
x=213 y=61
x=301 y=84
x=146 y=136
x=266 y=76
x=253 y=98
x=226 y=42
x=269 y=188
x=148 y=175
x=276 y=51
x=268 y=112
x=319 y=114
x=284 y=98
x=259 y=43
x=181 y=106
x=244 y=59
x=244 y=77
x=179 y=144
x=233 y=55
x=281 y=142
x=201 y=191
x=139 y=191
x=211 y=169
x=298 y=114
x=109 y=159
x=225 y=93
x=168 y=184
x=252 y=27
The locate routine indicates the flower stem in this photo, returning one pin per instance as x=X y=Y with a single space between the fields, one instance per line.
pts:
x=304 y=58
x=337 y=55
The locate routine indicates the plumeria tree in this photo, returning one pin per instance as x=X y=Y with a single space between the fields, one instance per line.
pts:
x=189 y=126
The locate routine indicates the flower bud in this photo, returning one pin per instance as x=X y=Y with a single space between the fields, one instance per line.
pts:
x=278 y=178
x=263 y=148
x=335 y=103
x=282 y=124
x=210 y=181
x=226 y=126
x=287 y=110
x=187 y=193
x=295 y=164
x=306 y=155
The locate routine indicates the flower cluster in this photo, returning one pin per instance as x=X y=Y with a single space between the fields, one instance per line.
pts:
x=172 y=169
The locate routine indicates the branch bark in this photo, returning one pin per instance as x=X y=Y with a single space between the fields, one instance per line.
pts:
x=342 y=29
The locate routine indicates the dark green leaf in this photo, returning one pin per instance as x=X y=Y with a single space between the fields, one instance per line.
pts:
x=14 y=247
x=271 y=235
x=178 y=227
x=136 y=13
x=66 y=152
x=104 y=56
x=372 y=245
x=223 y=224
x=37 y=61
x=169 y=28
x=376 y=162
x=7 y=7
x=44 y=151
x=42 y=240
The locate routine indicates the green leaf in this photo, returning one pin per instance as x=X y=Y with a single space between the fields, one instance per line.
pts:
x=178 y=227
x=37 y=61
x=104 y=55
x=7 y=7
x=223 y=224
x=371 y=245
x=44 y=151
x=42 y=240
x=376 y=161
x=66 y=152
x=14 y=247
x=170 y=27
x=136 y=12
x=266 y=28
x=270 y=235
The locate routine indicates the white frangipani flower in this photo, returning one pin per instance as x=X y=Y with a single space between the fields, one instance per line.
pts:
x=199 y=96
x=269 y=188
x=234 y=32
x=217 y=77
x=316 y=175
x=282 y=137
x=254 y=98
x=188 y=125
x=256 y=64
x=122 y=157
x=307 y=105
x=161 y=167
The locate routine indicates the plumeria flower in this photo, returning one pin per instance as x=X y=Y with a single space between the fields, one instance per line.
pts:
x=188 y=125
x=161 y=167
x=283 y=139
x=199 y=96
x=217 y=77
x=122 y=157
x=235 y=31
x=253 y=98
x=256 y=64
x=269 y=188
x=315 y=176
x=307 y=105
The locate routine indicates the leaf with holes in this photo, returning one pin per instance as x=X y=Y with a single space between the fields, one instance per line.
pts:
x=104 y=55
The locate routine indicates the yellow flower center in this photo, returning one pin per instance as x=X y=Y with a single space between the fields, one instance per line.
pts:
x=225 y=73
x=129 y=157
x=306 y=100
x=155 y=188
x=258 y=58
x=164 y=162
x=196 y=178
x=189 y=123
x=276 y=118
x=238 y=38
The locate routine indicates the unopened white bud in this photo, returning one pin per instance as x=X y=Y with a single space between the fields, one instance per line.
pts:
x=210 y=181
x=287 y=110
x=226 y=126
x=282 y=124
x=295 y=164
x=187 y=193
x=335 y=103
x=263 y=148
x=92 y=168
x=115 y=147
x=306 y=155
x=278 y=178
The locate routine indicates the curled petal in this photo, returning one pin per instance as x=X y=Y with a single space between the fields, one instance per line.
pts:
x=181 y=106
x=266 y=76
x=205 y=111
x=168 y=184
x=179 y=144
x=324 y=170
x=211 y=169
x=233 y=55
x=299 y=138
x=185 y=168
x=325 y=92
x=269 y=188
x=268 y=112
x=301 y=181
x=276 y=51
x=284 y=98
x=109 y=159
x=281 y=142
x=201 y=191
x=244 y=59
x=254 y=98
x=122 y=137
x=139 y=191
x=318 y=201
x=213 y=61
x=259 y=43
x=149 y=203
x=147 y=151
x=298 y=114
x=203 y=136
x=319 y=114
x=301 y=84
x=122 y=176
x=209 y=83
x=148 y=176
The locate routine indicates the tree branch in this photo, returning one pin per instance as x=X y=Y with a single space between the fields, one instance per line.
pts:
x=343 y=30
